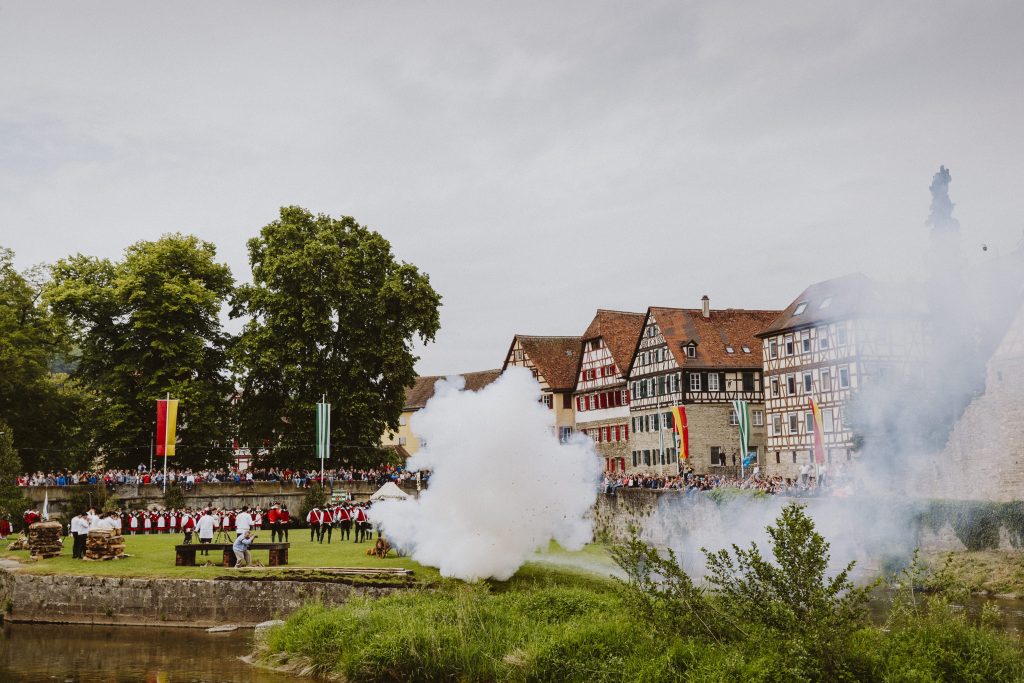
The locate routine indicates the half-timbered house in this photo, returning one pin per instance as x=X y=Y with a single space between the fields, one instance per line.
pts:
x=601 y=399
x=703 y=360
x=554 y=362
x=826 y=346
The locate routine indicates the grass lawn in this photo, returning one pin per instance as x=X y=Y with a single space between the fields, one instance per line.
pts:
x=992 y=571
x=153 y=556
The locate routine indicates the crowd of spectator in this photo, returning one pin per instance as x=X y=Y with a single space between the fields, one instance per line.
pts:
x=188 y=478
x=811 y=481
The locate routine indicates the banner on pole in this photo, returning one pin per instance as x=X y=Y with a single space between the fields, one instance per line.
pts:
x=323 y=430
x=679 y=418
x=819 y=436
x=166 y=426
x=743 y=422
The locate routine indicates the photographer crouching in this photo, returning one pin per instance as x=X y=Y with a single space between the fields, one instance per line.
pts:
x=241 y=545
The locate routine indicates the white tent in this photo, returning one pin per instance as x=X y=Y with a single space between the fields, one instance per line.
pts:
x=390 y=491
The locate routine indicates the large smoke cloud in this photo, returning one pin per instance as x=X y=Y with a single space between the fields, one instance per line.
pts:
x=501 y=485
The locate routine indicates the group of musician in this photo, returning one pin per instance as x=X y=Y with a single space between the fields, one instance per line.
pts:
x=345 y=517
x=186 y=520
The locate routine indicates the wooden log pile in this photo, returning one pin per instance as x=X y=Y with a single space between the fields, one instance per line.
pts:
x=44 y=539
x=104 y=544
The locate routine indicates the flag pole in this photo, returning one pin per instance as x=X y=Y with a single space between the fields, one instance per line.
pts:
x=165 y=445
x=324 y=430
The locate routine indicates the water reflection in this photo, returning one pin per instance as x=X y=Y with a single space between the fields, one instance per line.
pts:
x=111 y=654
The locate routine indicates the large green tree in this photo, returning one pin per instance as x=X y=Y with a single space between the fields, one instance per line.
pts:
x=42 y=408
x=145 y=326
x=12 y=499
x=331 y=312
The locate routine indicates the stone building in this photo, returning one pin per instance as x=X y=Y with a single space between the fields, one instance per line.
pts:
x=554 y=362
x=984 y=458
x=602 y=397
x=703 y=360
x=405 y=441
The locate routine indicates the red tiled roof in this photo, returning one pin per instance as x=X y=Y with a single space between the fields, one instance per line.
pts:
x=620 y=331
x=557 y=359
x=731 y=327
x=847 y=296
x=422 y=389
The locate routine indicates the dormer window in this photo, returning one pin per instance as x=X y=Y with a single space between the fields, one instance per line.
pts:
x=826 y=302
x=746 y=349
x=691 y=351
x=800 y=308
x=729 y=349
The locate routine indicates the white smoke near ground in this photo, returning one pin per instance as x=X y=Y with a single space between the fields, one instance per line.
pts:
x=501 y=486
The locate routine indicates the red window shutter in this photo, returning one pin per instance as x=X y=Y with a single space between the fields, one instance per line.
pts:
x=618 y=436
x=626 y=427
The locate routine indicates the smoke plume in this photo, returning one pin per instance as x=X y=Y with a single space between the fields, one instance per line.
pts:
x=943 y=361
x=501 y=484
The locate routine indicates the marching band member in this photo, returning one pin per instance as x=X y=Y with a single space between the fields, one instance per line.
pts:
x=188 y=525
x=133 y=523
x=344 y=517
x=283 y=518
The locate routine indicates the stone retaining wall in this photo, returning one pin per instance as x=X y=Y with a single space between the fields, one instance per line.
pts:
x=162 y=602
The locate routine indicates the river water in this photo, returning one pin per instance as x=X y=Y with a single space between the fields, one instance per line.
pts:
x=59 y=653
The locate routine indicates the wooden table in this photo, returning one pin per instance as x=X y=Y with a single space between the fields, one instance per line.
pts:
x=185 y=554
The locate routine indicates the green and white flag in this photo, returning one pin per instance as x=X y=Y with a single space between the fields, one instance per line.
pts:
x=743 y=421
x=323 y=430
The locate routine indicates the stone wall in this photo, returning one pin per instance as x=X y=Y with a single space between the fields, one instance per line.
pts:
x=162 y=602
x=260 y=494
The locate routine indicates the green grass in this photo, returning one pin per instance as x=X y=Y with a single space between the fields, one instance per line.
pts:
x=564 y=626
x=153 y=556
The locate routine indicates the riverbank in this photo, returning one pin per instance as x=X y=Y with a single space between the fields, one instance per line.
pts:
x=146 y=589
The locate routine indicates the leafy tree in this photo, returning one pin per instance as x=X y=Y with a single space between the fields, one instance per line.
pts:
x=331 y=312
x=41 y=409
x=12 y=500
x=146 y=326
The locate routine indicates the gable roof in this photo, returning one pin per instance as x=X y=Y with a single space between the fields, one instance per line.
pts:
x=731 y=327
x=557 y=359
x=422 y=389
x=620 y=331
x=850 y=296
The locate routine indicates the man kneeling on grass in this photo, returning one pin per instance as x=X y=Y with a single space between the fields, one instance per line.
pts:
x=241 y=548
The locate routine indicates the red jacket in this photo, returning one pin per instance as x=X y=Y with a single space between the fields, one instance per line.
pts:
x=273 y=515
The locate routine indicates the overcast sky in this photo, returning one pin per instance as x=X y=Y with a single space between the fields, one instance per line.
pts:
x=538 y=160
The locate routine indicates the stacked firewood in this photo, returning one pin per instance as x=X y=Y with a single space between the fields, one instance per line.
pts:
x=104 y=544
x=44 y=539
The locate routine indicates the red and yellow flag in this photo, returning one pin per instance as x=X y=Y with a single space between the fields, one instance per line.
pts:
x=679 y=418
x=166 y=426
x=819 y=434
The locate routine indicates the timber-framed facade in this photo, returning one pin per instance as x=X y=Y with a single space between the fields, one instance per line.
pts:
x=703 y=360
x=829 y=343
x=601 y=399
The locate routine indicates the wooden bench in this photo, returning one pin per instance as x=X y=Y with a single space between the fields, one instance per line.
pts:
x=185 y=554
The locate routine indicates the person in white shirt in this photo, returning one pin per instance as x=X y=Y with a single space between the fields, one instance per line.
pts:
x=205 y=527
x=79 y=531
x=243 y=522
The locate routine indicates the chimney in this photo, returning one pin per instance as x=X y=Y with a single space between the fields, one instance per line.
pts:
x=706 y=305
